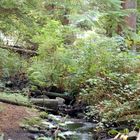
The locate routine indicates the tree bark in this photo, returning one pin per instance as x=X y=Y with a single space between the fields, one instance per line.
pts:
x=48 y=103
x=131 y=20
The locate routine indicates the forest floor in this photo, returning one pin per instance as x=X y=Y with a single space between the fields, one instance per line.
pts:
x=10 y=118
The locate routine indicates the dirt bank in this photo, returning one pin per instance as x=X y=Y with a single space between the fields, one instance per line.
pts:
x=10 y=118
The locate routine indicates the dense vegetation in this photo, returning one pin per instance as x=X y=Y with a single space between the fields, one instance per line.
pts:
x=83 y=47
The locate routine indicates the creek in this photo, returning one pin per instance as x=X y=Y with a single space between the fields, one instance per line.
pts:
x=79 y=130
x=74 y=129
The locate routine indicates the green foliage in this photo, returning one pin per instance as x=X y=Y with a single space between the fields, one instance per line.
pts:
x=43 y=115
x=10 y=63
x=49 y=38
x=115 y=95
x=21 y=20
x=32 y=121
x=20 y=14
x=56 y=61
x=113 y=132
x=83 y=56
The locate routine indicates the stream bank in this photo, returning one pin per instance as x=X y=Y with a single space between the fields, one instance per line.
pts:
x=60 y=128
x=47 y=126
x=66 y=122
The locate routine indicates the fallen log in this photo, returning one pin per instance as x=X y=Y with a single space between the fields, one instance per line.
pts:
x=28 y=105
x=20 y=50
x=15 y=102
x=48 y=103
x=65 y=96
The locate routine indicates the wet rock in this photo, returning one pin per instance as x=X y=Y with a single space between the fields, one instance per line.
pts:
x=33 y=130
x=67 y=134
x=33 y=136
x=138 y=138
x=63 y=129
x=44 y=138
x=73 y=135
x=61 y=101
x=48 y=134
x=132 y=135
x=41 y=135
x=80 y=115
x=24 y=126
x=48 y=125
x=54 y=118
x=1 y=136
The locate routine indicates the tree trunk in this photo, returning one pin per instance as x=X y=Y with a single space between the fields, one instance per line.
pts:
x=131 y=20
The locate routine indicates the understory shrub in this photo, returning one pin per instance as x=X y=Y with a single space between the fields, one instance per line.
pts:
x=93 y=65
x=115 y=94
x=11 y=63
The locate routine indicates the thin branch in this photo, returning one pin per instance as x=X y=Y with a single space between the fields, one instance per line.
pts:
x=20 y=50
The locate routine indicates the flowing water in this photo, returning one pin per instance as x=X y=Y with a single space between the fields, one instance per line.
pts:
x=78 y=130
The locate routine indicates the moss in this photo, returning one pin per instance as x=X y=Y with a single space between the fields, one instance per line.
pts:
x=15 y=98
x=32 y=121
x=43 y=115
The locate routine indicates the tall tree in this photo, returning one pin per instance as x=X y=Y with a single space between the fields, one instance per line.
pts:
x=131 y=20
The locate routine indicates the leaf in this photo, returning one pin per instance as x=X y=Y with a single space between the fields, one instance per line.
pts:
x=61 y=136
x=113 y=132
x=126 y=131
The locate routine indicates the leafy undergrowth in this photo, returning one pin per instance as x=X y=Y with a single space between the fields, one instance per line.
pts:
x=113 y=97
x=106 y=77
x=88 y=58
